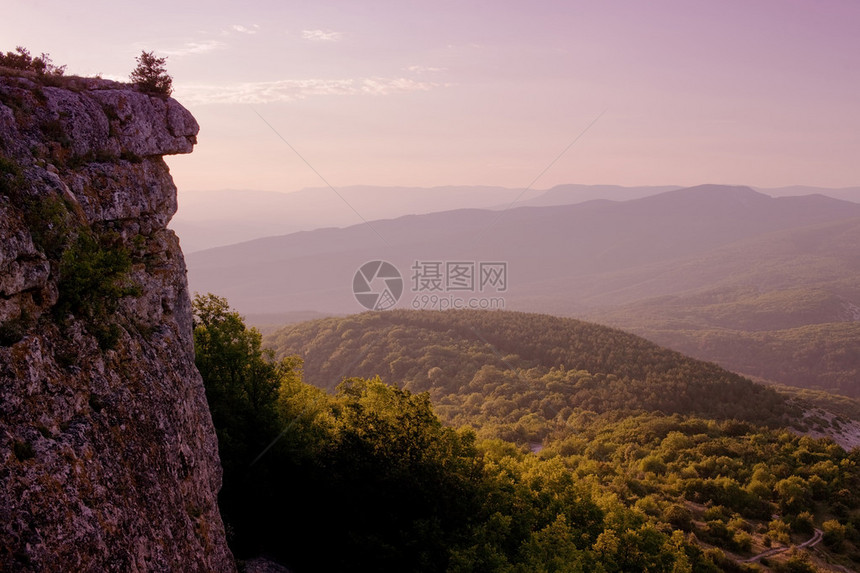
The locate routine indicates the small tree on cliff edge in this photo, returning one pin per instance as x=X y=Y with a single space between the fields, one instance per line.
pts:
x=21 y=59
x=151 y=75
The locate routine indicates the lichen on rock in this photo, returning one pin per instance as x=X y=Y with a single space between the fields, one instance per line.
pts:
x=108 y=456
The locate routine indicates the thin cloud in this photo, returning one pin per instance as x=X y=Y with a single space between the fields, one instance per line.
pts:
x=292 y=90
x=321 y=35
x=389 y=86
x=424 y=69
x=193 y=48
x=244 y=29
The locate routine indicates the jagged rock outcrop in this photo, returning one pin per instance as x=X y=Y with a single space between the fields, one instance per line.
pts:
x=108 y=456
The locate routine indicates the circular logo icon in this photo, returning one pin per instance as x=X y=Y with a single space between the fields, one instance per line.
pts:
x=377 y=285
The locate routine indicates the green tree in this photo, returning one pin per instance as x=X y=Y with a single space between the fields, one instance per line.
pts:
x=794 y=494
x=21 y=59
x=151 y=75
x=679 y=517
x=396 y=476
x=834 y=534
x=553 y=549
x=242 y=379
x=242 y=382
x=797 y=562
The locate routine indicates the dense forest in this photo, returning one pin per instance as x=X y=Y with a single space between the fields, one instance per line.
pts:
x=509 y=442
x=821 y=356
x=804 y=337
x=508 y=364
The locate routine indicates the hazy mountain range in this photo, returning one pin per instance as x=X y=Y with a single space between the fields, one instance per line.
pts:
x=215 y=218
x=209 y=219
x=566 y=258
x=702 y=269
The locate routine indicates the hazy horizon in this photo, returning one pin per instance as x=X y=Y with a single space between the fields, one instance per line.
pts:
x=464 y=94
x=802 y=189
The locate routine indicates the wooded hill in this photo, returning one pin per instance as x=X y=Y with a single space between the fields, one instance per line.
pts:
x=519 y=363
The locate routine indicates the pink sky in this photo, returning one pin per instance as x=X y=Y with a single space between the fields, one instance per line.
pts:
x=764 y=93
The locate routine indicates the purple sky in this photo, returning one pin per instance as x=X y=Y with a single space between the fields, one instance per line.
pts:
x=764 y=93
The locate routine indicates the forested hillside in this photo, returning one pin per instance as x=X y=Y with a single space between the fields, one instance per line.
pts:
x=540 y=444
x=503 y=365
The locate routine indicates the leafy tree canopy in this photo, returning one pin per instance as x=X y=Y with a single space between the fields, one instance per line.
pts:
x=21 y=59
x=151 y=75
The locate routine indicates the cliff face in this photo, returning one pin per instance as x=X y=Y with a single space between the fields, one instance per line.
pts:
x=108 y=457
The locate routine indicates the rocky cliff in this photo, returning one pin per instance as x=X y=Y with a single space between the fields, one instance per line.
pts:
x=108 y=457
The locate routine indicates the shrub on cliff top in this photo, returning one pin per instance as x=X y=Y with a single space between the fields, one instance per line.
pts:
x=151 y=75
x=21 y=59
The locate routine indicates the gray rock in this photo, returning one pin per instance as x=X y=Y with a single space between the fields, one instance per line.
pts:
x=108 y=456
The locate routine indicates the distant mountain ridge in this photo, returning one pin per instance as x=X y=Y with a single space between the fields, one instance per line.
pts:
x=674 y=267
x=579 y=247
x=208 y=219
x=845 y=193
